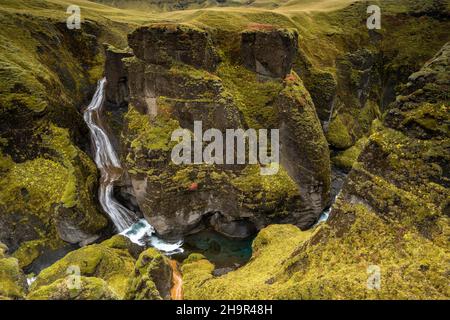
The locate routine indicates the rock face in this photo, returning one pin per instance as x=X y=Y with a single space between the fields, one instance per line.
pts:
x=48 y=182
x=164 y=43
x=304 y=161
x=170 y=90
x=269 y=52
x=387 y=235
x=55 y=199
x=116 y=90
x=152 y=277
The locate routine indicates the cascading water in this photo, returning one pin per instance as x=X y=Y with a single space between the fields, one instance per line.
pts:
x=125 y=221
x=107 y=162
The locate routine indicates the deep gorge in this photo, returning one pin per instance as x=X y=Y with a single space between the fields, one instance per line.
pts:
x=87 y=180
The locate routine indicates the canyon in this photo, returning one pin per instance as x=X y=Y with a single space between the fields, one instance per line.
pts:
x=88 y=178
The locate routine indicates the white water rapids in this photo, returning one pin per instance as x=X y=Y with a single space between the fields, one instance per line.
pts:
x=106 y=159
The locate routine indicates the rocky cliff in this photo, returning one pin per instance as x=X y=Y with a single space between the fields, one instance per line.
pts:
x=374 y=101
x=176 y=77
x=391 y=217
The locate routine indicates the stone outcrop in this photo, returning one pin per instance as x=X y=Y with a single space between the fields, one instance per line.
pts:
x=112 y=270
x=152 y=278
x=48 y=182
x=54 y=199
x=108 y=264
x=169 y=91
x=269 y=52
x=164 y=44
x=307 y=163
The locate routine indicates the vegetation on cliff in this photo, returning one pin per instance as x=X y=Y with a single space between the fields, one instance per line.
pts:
x=309 y=67
x=391 y=216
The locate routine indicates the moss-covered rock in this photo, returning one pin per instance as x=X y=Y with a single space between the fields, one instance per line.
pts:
x=255 y=280
x=152 y=278
x=169 y=96
x=12 y=279
x=48 y=72
x=338 y=135
x=110 y=261
x=49 y=197
x=91 y=288
x=304 y=149
x=345 y=159
x=163 y=43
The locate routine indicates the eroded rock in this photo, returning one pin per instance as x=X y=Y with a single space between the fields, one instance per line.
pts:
x=164 y=43
x=152 y=277
x=234 y=200
x=269 y=52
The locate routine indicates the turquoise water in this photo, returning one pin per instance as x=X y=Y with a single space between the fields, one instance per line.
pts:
x=223 y=252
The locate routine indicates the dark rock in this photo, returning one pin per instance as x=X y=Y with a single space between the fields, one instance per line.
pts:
x=234 y=229
x=269 y=52
x=232 y=199
x=165 y=43
x=116 y=90
x=73 y=226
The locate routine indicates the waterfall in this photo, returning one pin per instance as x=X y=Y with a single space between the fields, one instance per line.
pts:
x=106 y=159
x=108 y=163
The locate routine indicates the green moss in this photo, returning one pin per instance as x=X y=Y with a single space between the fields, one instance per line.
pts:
x=273 y=194
x=28 y=252
x=430 y=117
x=91 y=288
x=3 y=250
x=150 y=134
x=99 y=261
x=300 y=122
x=338 y=135
x=12 y=280
x=193 y=257
x=42 y=179
x=152 y=277
x=252 y=281
x=60 y=174
x=253 y=97
x=118 y=242
x=345 y=159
